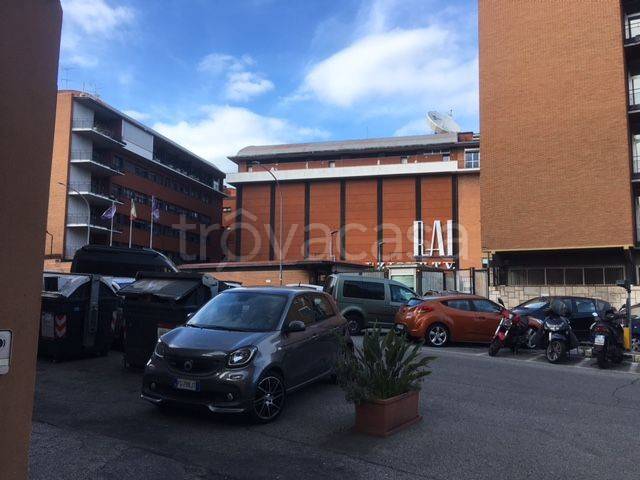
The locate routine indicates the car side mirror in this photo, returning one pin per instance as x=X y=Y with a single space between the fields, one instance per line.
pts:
x=295 y=326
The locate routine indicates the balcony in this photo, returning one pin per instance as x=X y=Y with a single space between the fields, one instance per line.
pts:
x=97 y=163
x=97 y=223
x=93 y=193
x=100 y=134
x=634 y=101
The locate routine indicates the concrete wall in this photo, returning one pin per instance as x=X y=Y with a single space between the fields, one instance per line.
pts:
x=29 y=48
x=553 y=110
x=512 y=295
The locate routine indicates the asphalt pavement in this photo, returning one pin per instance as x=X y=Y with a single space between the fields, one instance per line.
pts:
x=483 y=418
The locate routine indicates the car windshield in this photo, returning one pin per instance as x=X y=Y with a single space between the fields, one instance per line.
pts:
x=535 y=304
x=241 y=311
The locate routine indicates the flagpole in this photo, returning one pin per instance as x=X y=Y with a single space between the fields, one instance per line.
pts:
x=130 y=227
x=151 y=236
x=113 y=214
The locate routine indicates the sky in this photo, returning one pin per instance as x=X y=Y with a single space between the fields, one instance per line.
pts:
x=219 y=75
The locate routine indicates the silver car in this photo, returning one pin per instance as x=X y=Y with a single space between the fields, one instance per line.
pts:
x=246 y=350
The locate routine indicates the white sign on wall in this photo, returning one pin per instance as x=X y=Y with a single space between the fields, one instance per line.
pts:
x=438 y=247
x=5 y=351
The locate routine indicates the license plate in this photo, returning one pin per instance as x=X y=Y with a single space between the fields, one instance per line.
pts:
x=599 y=340
x=184 y=384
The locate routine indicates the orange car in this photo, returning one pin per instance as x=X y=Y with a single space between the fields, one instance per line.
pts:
x=457 y=318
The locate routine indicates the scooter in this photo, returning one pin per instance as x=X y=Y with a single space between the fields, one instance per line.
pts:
x=608 y=338
x=556 y=336
x=513 y=332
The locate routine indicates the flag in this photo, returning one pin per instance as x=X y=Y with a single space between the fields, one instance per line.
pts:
x=133 y=215
x=155 y=209
x=109 y=212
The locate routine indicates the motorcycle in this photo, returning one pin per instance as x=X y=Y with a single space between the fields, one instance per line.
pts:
x=513 y=332
x=556 y=336
x=608 y=338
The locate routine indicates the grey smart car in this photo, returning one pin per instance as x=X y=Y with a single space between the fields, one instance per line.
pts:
x=246 y=350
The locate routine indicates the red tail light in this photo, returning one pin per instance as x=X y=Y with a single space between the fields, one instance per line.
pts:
x=601 y=329
x=423 y=308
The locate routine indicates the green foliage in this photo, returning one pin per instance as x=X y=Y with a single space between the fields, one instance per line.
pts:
x=386 y=366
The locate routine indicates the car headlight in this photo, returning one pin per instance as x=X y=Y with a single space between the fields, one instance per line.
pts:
x=241 y=357
x=161 y=349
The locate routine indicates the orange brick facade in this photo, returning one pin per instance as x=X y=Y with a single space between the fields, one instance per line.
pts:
x=553 y=110
x=366 y=219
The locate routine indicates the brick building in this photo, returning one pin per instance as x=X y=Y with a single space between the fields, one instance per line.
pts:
x=560 y=116
x=103 y=157
x=402 y=201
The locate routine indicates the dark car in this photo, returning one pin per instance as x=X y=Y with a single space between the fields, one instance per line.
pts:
x=581 y=310
x=246 y=350
x=119 y=261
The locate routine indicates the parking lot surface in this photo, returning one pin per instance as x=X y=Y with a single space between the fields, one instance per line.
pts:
x=484 y=418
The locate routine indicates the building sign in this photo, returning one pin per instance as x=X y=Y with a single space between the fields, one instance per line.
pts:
x=440 y=248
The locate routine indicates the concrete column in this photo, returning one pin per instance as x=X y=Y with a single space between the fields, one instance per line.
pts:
x=29 y=49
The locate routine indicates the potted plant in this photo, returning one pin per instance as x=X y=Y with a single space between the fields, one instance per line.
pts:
x=383 y=379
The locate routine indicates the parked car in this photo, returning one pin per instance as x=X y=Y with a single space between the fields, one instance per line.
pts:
x=457 y=318
x=580 y=311
x=119 y=261
x=365 y=301
x=246 y=350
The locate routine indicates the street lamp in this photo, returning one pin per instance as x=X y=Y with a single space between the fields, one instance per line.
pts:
x=270 y=172
x=331 y=255
x=88 y=208
x=380 y=252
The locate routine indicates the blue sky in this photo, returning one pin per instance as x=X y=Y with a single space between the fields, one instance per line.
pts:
x=218 y=75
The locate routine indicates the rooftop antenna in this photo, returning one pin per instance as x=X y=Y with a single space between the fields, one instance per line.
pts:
x=65 y=78
x=442 y=123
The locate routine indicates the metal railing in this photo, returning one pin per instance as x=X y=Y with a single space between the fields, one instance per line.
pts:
x=634 y=98
x=88 y=187
x=81 y=219
x=96 y=157
x=632 y=30
x=636 y=164
x=213 y=183
x=87 y=123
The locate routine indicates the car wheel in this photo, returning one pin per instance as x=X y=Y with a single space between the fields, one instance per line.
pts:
x=269 y=398
x=556 y=351
x=354 y=323
x=437 y=335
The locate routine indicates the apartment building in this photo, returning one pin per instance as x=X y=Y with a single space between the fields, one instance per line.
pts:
x=405 y=202
x=104 y=158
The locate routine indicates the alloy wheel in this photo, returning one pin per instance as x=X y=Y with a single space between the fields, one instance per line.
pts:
x=555 y=351
x=269 y=398
x=437 y=335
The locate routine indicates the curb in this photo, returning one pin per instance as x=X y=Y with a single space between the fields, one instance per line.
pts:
x=633 y=357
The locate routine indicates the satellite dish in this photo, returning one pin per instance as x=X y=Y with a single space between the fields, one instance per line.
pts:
x=442 y=123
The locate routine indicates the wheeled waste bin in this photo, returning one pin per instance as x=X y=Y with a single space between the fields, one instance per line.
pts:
x=158 y=302
x=78 y=315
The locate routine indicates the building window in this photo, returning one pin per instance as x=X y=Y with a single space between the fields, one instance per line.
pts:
x=446 y=157
x=250 y=168
x=404 y=160
x=472 y=158
x=595 y=275
x=332 y=164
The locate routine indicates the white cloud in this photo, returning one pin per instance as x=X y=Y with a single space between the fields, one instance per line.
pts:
x=241 y=83
x=242 y=86
x=396 y=64
x=223 y=130
x=136 y=115
x=87 y=24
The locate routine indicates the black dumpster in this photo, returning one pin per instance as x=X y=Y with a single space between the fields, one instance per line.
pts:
x=77 y=316
x=157 y=302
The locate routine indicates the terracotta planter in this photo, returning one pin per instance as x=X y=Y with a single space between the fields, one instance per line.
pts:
x=385 y=417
